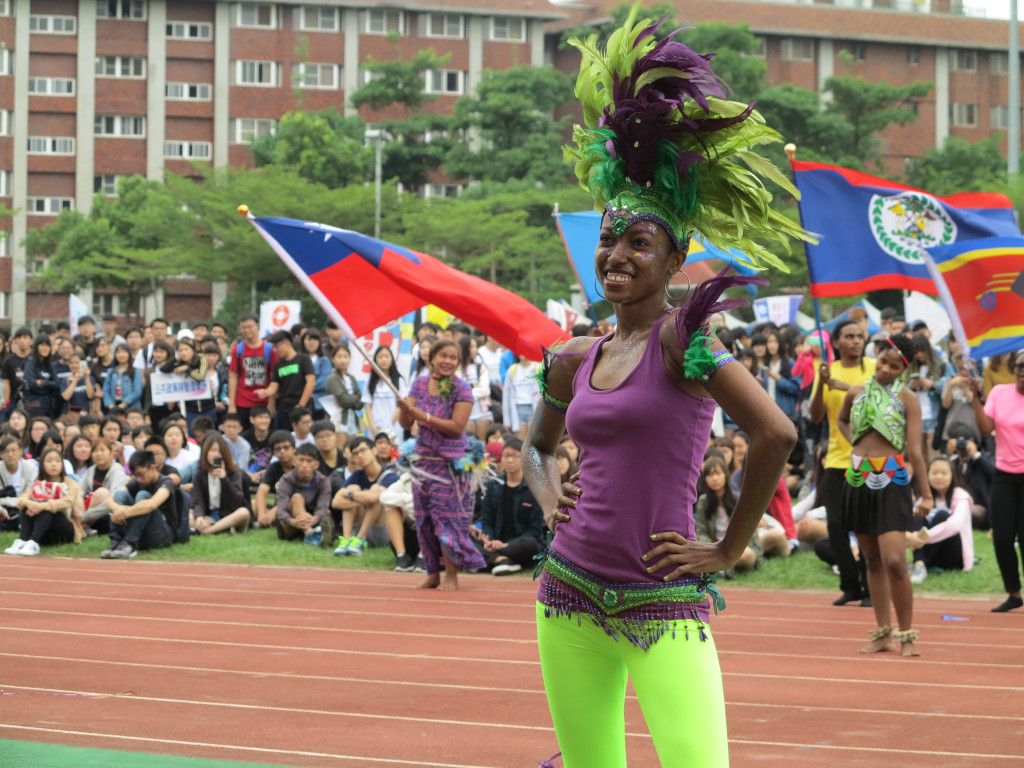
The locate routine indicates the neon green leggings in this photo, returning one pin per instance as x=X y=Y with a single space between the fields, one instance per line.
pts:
x=677 y=682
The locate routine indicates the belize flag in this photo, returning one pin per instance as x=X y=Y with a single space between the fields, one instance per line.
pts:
x=873 y=230
x=581 y=232
x=363 y=283
x=981 y=284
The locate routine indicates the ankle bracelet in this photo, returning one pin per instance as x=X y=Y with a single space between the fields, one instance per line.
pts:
x=878 y=634
x=906 y=635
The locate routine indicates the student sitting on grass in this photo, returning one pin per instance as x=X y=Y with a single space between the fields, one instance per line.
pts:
x=101 y=481
x=220 y=493
x=282 y=445
x=46 y=507
x=16 y=476
x=304 y=501
x=143 y=514
x=359 y=499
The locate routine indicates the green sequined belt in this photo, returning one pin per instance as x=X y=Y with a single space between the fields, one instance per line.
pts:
x=614 y=598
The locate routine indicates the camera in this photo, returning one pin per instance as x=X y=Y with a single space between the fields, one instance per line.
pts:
x=961 y=444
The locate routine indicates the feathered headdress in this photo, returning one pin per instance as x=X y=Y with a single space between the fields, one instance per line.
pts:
x=661 y=143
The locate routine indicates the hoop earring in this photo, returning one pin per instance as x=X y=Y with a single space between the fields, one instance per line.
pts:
x=689 y=286
x=597 y=289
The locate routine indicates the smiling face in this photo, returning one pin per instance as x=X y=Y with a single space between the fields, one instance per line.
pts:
x=889 y=366
x=637 y=264
x=940 y=476
x=445 y=360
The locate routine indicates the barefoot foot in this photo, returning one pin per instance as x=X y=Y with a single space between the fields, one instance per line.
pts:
x=450 y=583
x=909 y=650
x=431 y=582
x=880 y=645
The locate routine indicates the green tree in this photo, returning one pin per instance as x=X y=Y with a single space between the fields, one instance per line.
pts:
x=419 y=146
x=513 y=135
x=323 y=147
x=130 y=243
x=616 y=19
x=960 y=166
x=398 y=81
x=734 y=62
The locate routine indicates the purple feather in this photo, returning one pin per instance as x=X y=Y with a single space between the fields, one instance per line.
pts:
x=704 y=302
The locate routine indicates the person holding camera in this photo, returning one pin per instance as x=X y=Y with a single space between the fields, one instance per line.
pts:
x=973 y=469
x=1003 y=413
x=220 y=492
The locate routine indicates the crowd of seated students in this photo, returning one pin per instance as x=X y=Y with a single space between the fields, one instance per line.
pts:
x=85 y=450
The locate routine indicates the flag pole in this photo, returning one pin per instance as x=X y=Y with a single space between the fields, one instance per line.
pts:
x=790 y=150
x=947 y=300
x=343 y=326
x=565 y=244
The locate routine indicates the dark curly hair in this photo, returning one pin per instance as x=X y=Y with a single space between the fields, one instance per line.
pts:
x=905 y=345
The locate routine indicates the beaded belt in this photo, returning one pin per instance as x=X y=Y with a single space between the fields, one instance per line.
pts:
x=877 y=473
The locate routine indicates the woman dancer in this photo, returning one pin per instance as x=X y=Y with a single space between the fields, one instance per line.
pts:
x=624 y=588
x=442 y=498
x=881 y=419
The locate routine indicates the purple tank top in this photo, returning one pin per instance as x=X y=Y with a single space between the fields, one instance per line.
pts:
x=641 y=447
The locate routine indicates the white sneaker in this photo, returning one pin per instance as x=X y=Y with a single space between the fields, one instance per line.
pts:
x=30 y=549
x=16 y=547
x=918 y=572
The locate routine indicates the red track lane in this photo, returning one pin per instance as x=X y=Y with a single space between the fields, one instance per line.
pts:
x=338 y=668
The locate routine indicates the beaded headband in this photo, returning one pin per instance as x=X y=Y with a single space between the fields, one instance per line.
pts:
x=893 y=345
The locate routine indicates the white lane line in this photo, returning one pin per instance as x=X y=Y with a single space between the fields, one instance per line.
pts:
x=248 y=673
x=888 y=751
x=239 y=747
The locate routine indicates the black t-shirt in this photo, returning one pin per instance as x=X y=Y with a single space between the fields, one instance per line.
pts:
x=13 y=370
x=508 y=514
x=326 y=469
x=290 y=376
x=168 y=507
x=261 y=451
x=275 y=472
x=99 y=375
x=98 y=477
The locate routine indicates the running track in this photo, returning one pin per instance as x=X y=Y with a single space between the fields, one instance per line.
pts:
x=309 y=667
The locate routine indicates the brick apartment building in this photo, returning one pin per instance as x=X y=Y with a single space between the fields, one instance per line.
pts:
x=91 y=90
x=94 y=89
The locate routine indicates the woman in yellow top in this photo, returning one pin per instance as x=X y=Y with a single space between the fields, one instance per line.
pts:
x=998 y=371
x=830 y=387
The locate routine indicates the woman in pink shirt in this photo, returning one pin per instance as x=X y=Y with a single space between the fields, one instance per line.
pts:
x=1003 y=413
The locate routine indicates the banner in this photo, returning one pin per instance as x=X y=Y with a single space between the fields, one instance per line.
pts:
x=780 y=310
x=175 y=387
x=873 y=230
x=76 y=310
x=397 y=337
x=279 y=316
x=581 y=232
x=563 y=314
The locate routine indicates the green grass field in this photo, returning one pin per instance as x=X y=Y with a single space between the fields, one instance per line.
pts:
x=802 y=571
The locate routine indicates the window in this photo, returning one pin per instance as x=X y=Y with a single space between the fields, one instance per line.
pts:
x=188 y=150
x=366 y=76
x=52 y=25
x=999 y=63
x=256 y=73
x=380 y=21
x=859 y=51
x=189 y=30
x=35 y=266
x=913 y=55
x=5 y=296
x=761 y=50
x=5 y=183
x=51 y=86
x=444 y=81
x=964 y=61
x=441 y=190
x=188 y=91
x=120 y=125
x=319 y=18
x=5 y=122
x=6 y=61
x=306 y=75
x=504 y=28
x=256 y=15
x=105 y=183
x=245 y=130
x=51 y=145
x=444 y=25
x=120 y=66
x=797 y=49
x=107 y=304
x=120 y=9
x=5 y=10
x=48 y=206
x=964 y=115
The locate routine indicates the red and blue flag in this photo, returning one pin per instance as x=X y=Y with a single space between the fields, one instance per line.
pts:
x=982 y=287
x=363 y=283
x=873 y=230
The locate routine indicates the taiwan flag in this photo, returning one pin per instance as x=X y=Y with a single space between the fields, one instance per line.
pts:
x=982 y=287
x=363 y=283
x=874 y=230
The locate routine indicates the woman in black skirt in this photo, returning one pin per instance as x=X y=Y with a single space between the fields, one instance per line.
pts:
x=882 y=418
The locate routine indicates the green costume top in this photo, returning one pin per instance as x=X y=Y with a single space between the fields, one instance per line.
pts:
x=881 y=409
